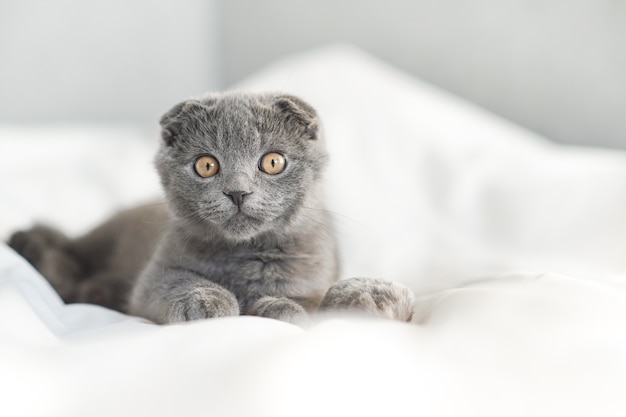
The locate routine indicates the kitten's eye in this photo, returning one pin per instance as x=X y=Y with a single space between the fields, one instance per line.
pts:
x=272 y=163
x=206 y=166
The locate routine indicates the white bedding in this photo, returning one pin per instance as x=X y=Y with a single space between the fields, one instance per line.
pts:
x=515 y=246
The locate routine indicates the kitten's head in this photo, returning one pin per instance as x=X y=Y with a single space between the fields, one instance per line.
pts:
x=241 y=164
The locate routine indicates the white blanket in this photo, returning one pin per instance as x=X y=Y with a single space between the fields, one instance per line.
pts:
x=515 y=246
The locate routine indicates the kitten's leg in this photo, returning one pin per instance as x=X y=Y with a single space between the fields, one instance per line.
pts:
x=373 y=296
x=48 y=251
x=100 y=266
x=106 y=290
x=279 y=308
x=171 y=296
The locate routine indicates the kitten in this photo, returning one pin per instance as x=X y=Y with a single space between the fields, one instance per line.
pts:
x=248 y=232
x=242 y=176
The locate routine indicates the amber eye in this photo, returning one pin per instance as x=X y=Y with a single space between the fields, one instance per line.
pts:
x=272 y=163
x=206 y=166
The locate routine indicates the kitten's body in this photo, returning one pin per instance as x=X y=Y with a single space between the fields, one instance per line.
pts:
x=247 y=233
x=242 y=239
x=299 y=267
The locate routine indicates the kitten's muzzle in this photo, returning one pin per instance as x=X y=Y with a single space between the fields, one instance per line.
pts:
x=237 y=197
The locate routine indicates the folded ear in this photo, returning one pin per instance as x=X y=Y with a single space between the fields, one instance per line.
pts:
x=170 y=124
x=294 y=109
x=173 y=121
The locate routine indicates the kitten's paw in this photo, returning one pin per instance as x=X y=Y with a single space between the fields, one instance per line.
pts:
x=373 y=296
x=46 y=249
x=32 y=244
x=280 y=308
x=203 y=303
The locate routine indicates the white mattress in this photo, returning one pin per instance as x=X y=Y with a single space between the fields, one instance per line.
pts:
x=515 y=246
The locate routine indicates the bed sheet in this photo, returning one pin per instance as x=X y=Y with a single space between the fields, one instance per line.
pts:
x=513 y=245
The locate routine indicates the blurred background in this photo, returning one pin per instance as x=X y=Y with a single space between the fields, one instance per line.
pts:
x=557 y=67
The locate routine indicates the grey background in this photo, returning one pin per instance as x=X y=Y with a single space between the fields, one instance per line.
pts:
x=555 y=66
x=102 y=61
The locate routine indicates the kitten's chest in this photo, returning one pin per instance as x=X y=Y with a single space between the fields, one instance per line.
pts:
x=301 y=268
x=253 y=266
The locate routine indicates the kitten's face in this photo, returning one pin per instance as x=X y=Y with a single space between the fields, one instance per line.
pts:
x=240 y=164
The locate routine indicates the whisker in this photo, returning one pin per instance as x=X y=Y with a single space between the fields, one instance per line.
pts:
x=333 y=213
x=155 y=203
x=323 y=224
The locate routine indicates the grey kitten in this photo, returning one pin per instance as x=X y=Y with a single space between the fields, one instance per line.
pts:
x=248 y=232
x=242 y=176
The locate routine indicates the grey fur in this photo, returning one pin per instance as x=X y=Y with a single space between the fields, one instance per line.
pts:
x=372 y=296
x=270 y=251
x=275 y=254
x=101 y=266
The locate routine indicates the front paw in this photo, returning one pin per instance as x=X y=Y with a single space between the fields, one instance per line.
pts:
x=203 y=303
x=372 y=296
x=280 y=308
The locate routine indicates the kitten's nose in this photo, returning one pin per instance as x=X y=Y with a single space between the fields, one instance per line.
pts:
x=237 y=197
